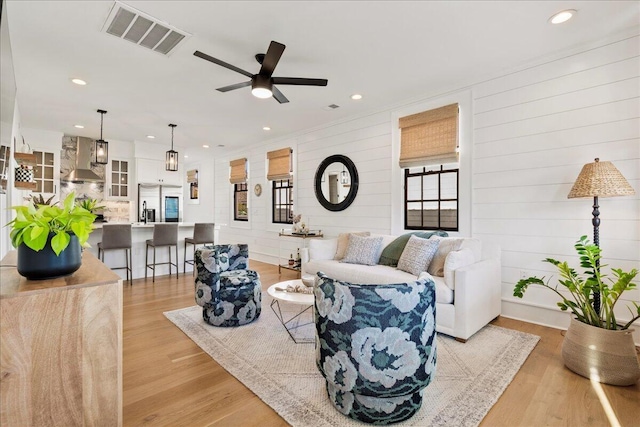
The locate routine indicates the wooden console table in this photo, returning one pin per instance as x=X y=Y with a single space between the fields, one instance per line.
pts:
x=61 y=347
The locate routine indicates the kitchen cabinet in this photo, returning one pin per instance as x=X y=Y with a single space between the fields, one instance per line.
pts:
x=151 y=171
x=46 y=173
x=118 y=180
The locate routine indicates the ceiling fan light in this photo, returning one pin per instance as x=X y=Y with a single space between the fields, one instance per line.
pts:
x=261 y=92
x=261 y=86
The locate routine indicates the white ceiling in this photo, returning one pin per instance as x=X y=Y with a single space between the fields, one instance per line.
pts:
x=388 y=51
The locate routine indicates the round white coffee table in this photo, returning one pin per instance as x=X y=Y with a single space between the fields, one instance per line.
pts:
x=306 y=300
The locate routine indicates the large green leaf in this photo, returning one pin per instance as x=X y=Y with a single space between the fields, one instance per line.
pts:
x=59 y=242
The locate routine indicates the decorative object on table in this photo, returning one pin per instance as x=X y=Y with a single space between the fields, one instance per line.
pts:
x=23 y=178
x=49 y=238
x=376 y=367
x=102 y=146
x=595 y=346
x=228 y=291
x=292 y=262
x=299 y=288
x=171 y=161
x=599 y=179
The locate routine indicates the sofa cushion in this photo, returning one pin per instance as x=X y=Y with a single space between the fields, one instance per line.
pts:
x=392 y=252
x=323 y=248
x=343 y=243
x=447 y=244
x=454 y=261
x=417 y=255
x=362 y=250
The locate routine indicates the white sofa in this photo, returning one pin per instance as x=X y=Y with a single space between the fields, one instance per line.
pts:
x=467 y=297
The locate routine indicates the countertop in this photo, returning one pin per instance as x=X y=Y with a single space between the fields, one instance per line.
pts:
x=98 y=225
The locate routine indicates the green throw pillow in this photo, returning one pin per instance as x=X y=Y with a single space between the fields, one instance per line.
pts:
x=392 y=252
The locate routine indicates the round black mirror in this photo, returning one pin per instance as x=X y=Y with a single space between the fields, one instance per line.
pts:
x=336 y=182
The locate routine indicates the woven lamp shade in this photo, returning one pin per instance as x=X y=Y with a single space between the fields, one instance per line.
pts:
x=600 y=179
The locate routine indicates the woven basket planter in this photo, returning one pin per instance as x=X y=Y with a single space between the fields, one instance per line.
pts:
x=602 y=355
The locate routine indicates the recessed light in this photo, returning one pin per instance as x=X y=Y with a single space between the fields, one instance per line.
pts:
x=205 y=146
x=78 y=126
x=79 y=82
x=562 y=16
x=266 y=128
x=356 y=96
x=151 y=137
x=186 y=157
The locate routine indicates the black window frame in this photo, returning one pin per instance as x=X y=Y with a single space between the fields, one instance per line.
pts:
x=427 y=172
x=277 y=188
x=238 y=188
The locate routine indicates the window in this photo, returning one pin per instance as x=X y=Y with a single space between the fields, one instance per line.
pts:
x=282 y=201
x=240 y=210
x=431 y=199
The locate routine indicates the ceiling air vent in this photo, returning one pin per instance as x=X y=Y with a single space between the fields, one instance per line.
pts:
x=330 y=107
x=137 y=27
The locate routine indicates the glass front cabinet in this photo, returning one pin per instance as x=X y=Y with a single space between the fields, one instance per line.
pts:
x=118 y=177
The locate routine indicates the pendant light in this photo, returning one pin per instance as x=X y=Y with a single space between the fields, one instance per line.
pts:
x=171 y=163
x=102 y=146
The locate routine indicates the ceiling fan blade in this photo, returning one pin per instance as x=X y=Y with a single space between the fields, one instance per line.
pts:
x=221 y=63
x=271 y=58
x=233 y=87
x=278 y=95
x=299 y=81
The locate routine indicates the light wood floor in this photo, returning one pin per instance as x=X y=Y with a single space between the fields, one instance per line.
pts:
x=170 y=381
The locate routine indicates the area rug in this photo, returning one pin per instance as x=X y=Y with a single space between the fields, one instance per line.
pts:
x=469 y=379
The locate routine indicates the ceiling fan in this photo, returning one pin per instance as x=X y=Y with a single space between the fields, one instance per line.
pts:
x=262 y=84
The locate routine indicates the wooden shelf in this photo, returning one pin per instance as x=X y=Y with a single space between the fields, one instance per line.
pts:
x=25 y=159
x=25 y=185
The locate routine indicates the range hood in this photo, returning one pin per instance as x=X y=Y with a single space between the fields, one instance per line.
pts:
x=84 y=156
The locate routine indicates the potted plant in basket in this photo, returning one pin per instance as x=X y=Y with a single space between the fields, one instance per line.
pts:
x=48 y=238
x=595 y=346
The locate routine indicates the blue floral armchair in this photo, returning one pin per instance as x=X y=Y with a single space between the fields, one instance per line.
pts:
x=229 y=293
x=376 y=346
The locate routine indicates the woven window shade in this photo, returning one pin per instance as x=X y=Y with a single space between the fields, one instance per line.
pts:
x=430 y=137
x=279 y=164
x=238 y=171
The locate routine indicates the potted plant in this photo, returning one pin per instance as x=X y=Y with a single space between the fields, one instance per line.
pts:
x=595 y=346
x=49 y=237
x=91 y=205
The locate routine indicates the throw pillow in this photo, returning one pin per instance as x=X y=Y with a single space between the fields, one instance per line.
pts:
x=343 y=242
x=417 y=255
x=322 y=249
x=447 y=244
x=455 y=260
x=362 y=250
x=392 y=252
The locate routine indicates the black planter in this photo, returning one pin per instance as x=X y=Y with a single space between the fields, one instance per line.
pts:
x=44 y=264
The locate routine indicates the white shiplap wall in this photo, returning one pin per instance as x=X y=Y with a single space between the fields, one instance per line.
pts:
x=531 y=132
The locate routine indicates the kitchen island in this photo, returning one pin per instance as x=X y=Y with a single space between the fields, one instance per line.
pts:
x=140 y=233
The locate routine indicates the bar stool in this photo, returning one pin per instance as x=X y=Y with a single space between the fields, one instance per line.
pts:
x=117 y=236
x=163 y=235
x=202 y=234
